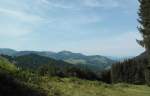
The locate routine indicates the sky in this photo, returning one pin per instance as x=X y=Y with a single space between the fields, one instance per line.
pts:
x=102 y=27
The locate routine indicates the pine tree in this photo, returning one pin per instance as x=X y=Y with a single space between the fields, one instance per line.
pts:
x=144 y=28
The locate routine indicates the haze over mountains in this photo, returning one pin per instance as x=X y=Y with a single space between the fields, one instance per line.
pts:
x=94 y=61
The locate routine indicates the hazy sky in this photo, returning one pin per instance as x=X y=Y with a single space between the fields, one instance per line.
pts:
x=105 y=27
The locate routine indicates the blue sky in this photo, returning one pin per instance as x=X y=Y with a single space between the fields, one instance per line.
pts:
x=105 y=27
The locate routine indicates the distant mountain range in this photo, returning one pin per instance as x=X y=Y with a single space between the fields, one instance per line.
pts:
x=6 y=51
x=93 y=62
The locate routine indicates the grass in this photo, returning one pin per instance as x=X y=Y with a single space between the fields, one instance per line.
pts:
x=77 y=87
x=55 y=86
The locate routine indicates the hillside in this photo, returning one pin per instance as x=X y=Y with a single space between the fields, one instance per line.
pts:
x=131 y=70
x=51 y=67
x=78 y=87
x=7 y=51
x=95 y=62
x=11 y=84
x=100 y=62
x=34 y=61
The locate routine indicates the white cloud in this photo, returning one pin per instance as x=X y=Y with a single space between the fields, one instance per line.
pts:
x=67 y=24
x=81 y=19
x=23 y=21
x=80 y=4
x=16 y=23
x=44 y=1
x=123 y=45
x=119 y=45
x=57 y=4
x=13 y=31
x=20 y=15
x=101 y=3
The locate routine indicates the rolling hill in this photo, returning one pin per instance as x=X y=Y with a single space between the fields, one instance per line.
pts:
x=94 y=62
x=36 y=85
x=34 y=61
x=11 y=85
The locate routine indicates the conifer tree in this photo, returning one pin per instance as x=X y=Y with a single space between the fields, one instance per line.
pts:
x=144 y=29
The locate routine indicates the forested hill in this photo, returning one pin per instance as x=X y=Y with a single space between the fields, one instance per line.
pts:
x=15 y=81
x=34 y=61
x=11 y=83
x=51 y=67
x=95 y=62
x=130 y=71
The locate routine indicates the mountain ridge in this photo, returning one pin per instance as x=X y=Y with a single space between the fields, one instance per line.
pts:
x=97 y=61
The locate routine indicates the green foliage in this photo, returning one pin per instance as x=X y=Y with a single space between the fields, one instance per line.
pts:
x=10 y=86
x=105 y=76
x=78 y=87
x=6 y=65
x=144 y=29
x=51 y=67
x=14 y=83
x=129 y=71
x=67 y=72
x=94 y=63
x=33 y=61
x=27 y=83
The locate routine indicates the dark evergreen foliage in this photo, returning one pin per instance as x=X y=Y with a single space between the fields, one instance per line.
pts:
x=144 y=29
x=129 y=71
x=51 y=67
x=9 y=86
x=72 y=71
x=33 y=61
x=105 y=76
x=11 y=83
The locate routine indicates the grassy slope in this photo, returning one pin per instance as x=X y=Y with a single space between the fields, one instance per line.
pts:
x=55 y=86
x=7 y=66
x=11 y=83
x=77 y=87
